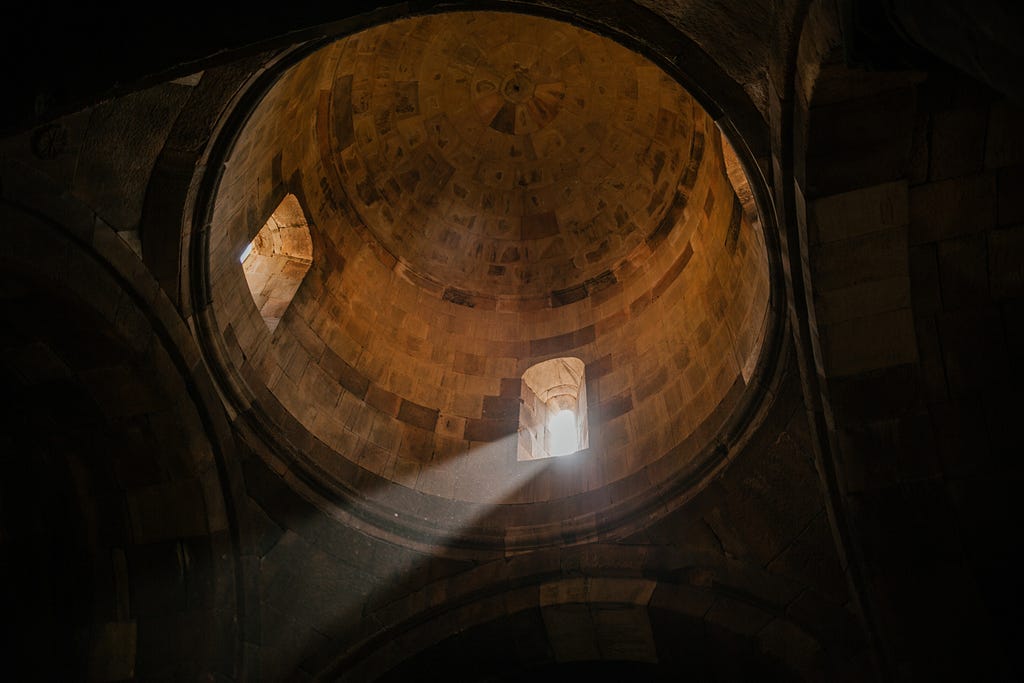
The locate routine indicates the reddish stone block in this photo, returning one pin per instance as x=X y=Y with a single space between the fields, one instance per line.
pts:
x=383 y=400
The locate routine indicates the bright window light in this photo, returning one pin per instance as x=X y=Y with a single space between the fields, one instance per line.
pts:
x=552 y=410
x=562 y=433
x=246 y=252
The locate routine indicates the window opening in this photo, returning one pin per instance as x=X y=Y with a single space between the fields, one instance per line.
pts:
x=246 y=252
x=553 y=410
x=562 y=430
x=277 y=260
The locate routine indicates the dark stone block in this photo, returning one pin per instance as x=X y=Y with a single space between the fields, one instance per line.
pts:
x=924 y=279
x=459 y=297
x=583 y=336
x=952 y=207
x=417 y=444
x=877 y=395
x=860 y=142
x=639 y=304
x=667 y=223
x=499 y=408
x=282 y=505
x=963 y=269
x=511 y=387
x=600 y=282
x=489 y=430
x=561 y=297
x=157 y=575
x=1006 y=263
x=651 y=385
x=420 y=416
x=599 y=368
x=974 y=349
x=614 y=407
x=957 y=142
x=673 y=272
x=383 y=400
x=1010 y=189
x=549 y=345
x=539 y=225
x=347 y=377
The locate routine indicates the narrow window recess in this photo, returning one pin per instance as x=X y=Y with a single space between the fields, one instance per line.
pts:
x=553 y=410
x=277 y=260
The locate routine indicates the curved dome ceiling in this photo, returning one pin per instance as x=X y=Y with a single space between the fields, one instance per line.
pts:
x=505 y=154
x=485 y=192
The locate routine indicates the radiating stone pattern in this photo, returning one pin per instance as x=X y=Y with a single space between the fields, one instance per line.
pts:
x=505 y=154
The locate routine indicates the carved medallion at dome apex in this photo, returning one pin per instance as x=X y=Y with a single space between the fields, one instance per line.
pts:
x=505 y=154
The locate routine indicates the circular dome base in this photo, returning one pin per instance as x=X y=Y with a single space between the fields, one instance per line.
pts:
x=452 y=251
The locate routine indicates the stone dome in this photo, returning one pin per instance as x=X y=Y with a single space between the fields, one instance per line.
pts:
x=485 y=192
x=506 y=155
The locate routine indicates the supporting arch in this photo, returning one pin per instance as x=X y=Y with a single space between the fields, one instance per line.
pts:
x=897 y=180
x=135 y=428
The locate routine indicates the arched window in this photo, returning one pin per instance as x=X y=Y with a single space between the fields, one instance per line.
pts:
x=553 y=412
x=277 y=260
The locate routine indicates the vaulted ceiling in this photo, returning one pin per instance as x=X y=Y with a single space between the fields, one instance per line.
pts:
x=782 y=238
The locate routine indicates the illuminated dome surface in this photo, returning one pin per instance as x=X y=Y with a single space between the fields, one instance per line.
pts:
x=506 y=154
x=485 y=192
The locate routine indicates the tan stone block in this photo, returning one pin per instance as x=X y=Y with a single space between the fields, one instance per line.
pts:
x=406 y=472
